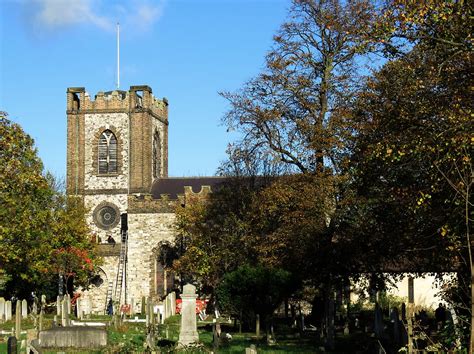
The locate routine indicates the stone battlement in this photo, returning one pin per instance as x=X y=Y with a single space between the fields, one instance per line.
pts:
x=145 y=203
x=138 y=98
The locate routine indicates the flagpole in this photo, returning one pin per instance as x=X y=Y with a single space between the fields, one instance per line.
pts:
x=118 y=55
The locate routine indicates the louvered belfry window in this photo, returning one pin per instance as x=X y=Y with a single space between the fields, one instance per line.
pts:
x=107 y=153
x=156 y=155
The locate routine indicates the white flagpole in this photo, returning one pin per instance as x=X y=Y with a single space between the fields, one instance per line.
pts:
x=118 y=55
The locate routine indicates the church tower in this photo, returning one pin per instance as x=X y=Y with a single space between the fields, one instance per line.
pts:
x=117 y=145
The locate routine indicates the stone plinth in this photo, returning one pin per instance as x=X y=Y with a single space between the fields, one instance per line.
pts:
x=188 y=333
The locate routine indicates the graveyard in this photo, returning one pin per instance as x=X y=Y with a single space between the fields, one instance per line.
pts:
x=334 y=217
x=41 y=327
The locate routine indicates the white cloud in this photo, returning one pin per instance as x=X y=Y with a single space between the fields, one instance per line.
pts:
x=146 y=15
x=52 y=14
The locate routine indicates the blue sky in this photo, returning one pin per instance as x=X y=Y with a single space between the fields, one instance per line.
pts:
x=186 y=50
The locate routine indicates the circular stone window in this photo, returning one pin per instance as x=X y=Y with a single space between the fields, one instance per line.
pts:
x=106 y=216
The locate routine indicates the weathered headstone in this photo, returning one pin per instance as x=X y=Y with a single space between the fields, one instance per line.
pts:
x=24 y=309
x=18 y=319
x=173 y=303
x=257 y=325
x=251 y=350
x=378 y=321
x=2 y=310
x=79 y=310
x=68 y=302
x=8 y=310
x=64 y=313
x=346 y=329
x=12 y=345
x=58 y=306
x=188 y=333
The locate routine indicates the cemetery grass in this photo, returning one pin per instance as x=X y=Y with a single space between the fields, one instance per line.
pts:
x=130 y=337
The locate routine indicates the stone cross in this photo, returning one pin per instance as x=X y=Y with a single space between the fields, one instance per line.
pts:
x=2 y=310
x=188 y=333
x=18 y=319
x=8 y=310
x=24 y=309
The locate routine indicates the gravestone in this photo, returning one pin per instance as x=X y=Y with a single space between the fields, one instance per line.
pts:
x=64 y=313
x=18 y=320
x=188 y=333
x=2 y=310
x=257 y=325
x=68 y=302
x=24 y=309
x=58 y=306
x=378 y=321
x=12 y=345
x=251 y=350
x=173 y=303
x=79 y=308
x=8 y=310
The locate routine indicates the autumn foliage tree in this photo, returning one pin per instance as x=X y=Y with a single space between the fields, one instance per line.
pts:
x=36 y=220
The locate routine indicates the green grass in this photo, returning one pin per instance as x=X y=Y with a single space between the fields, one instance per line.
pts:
x=130 y=337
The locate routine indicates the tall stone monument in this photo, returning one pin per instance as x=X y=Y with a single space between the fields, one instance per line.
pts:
x=188 y=333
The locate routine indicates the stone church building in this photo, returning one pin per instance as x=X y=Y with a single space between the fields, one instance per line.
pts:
x=117 y=161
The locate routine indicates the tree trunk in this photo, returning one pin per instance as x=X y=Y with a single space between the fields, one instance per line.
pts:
x=471 y=344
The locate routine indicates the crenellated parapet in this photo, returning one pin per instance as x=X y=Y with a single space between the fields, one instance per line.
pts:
x=137 y=99
x=145 y=203
x=142 y=204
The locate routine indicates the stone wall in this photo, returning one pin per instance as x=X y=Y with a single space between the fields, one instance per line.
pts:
x=145 y=233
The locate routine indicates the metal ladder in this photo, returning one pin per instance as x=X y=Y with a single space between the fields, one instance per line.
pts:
x=121 y=271
x=109 y=295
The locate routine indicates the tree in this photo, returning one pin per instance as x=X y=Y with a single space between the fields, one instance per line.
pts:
x=417 y=138
x=292 y=113
x=251 y=290
x=210 y=232
x=36 y=220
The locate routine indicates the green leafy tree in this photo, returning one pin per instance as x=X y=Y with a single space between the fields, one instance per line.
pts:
x=415 y=147
x=251 y=290
x=35 y=219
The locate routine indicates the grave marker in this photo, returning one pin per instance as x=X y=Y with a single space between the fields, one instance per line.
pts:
x=8 y=310
x=2 y=310
x=188 y=333
x=18 y=319
x=24 y=309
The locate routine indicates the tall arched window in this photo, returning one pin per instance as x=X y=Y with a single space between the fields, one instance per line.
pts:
x=107 y=152
x=156 y=155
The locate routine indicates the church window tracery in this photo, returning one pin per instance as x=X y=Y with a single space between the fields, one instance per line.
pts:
x=107 y=152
